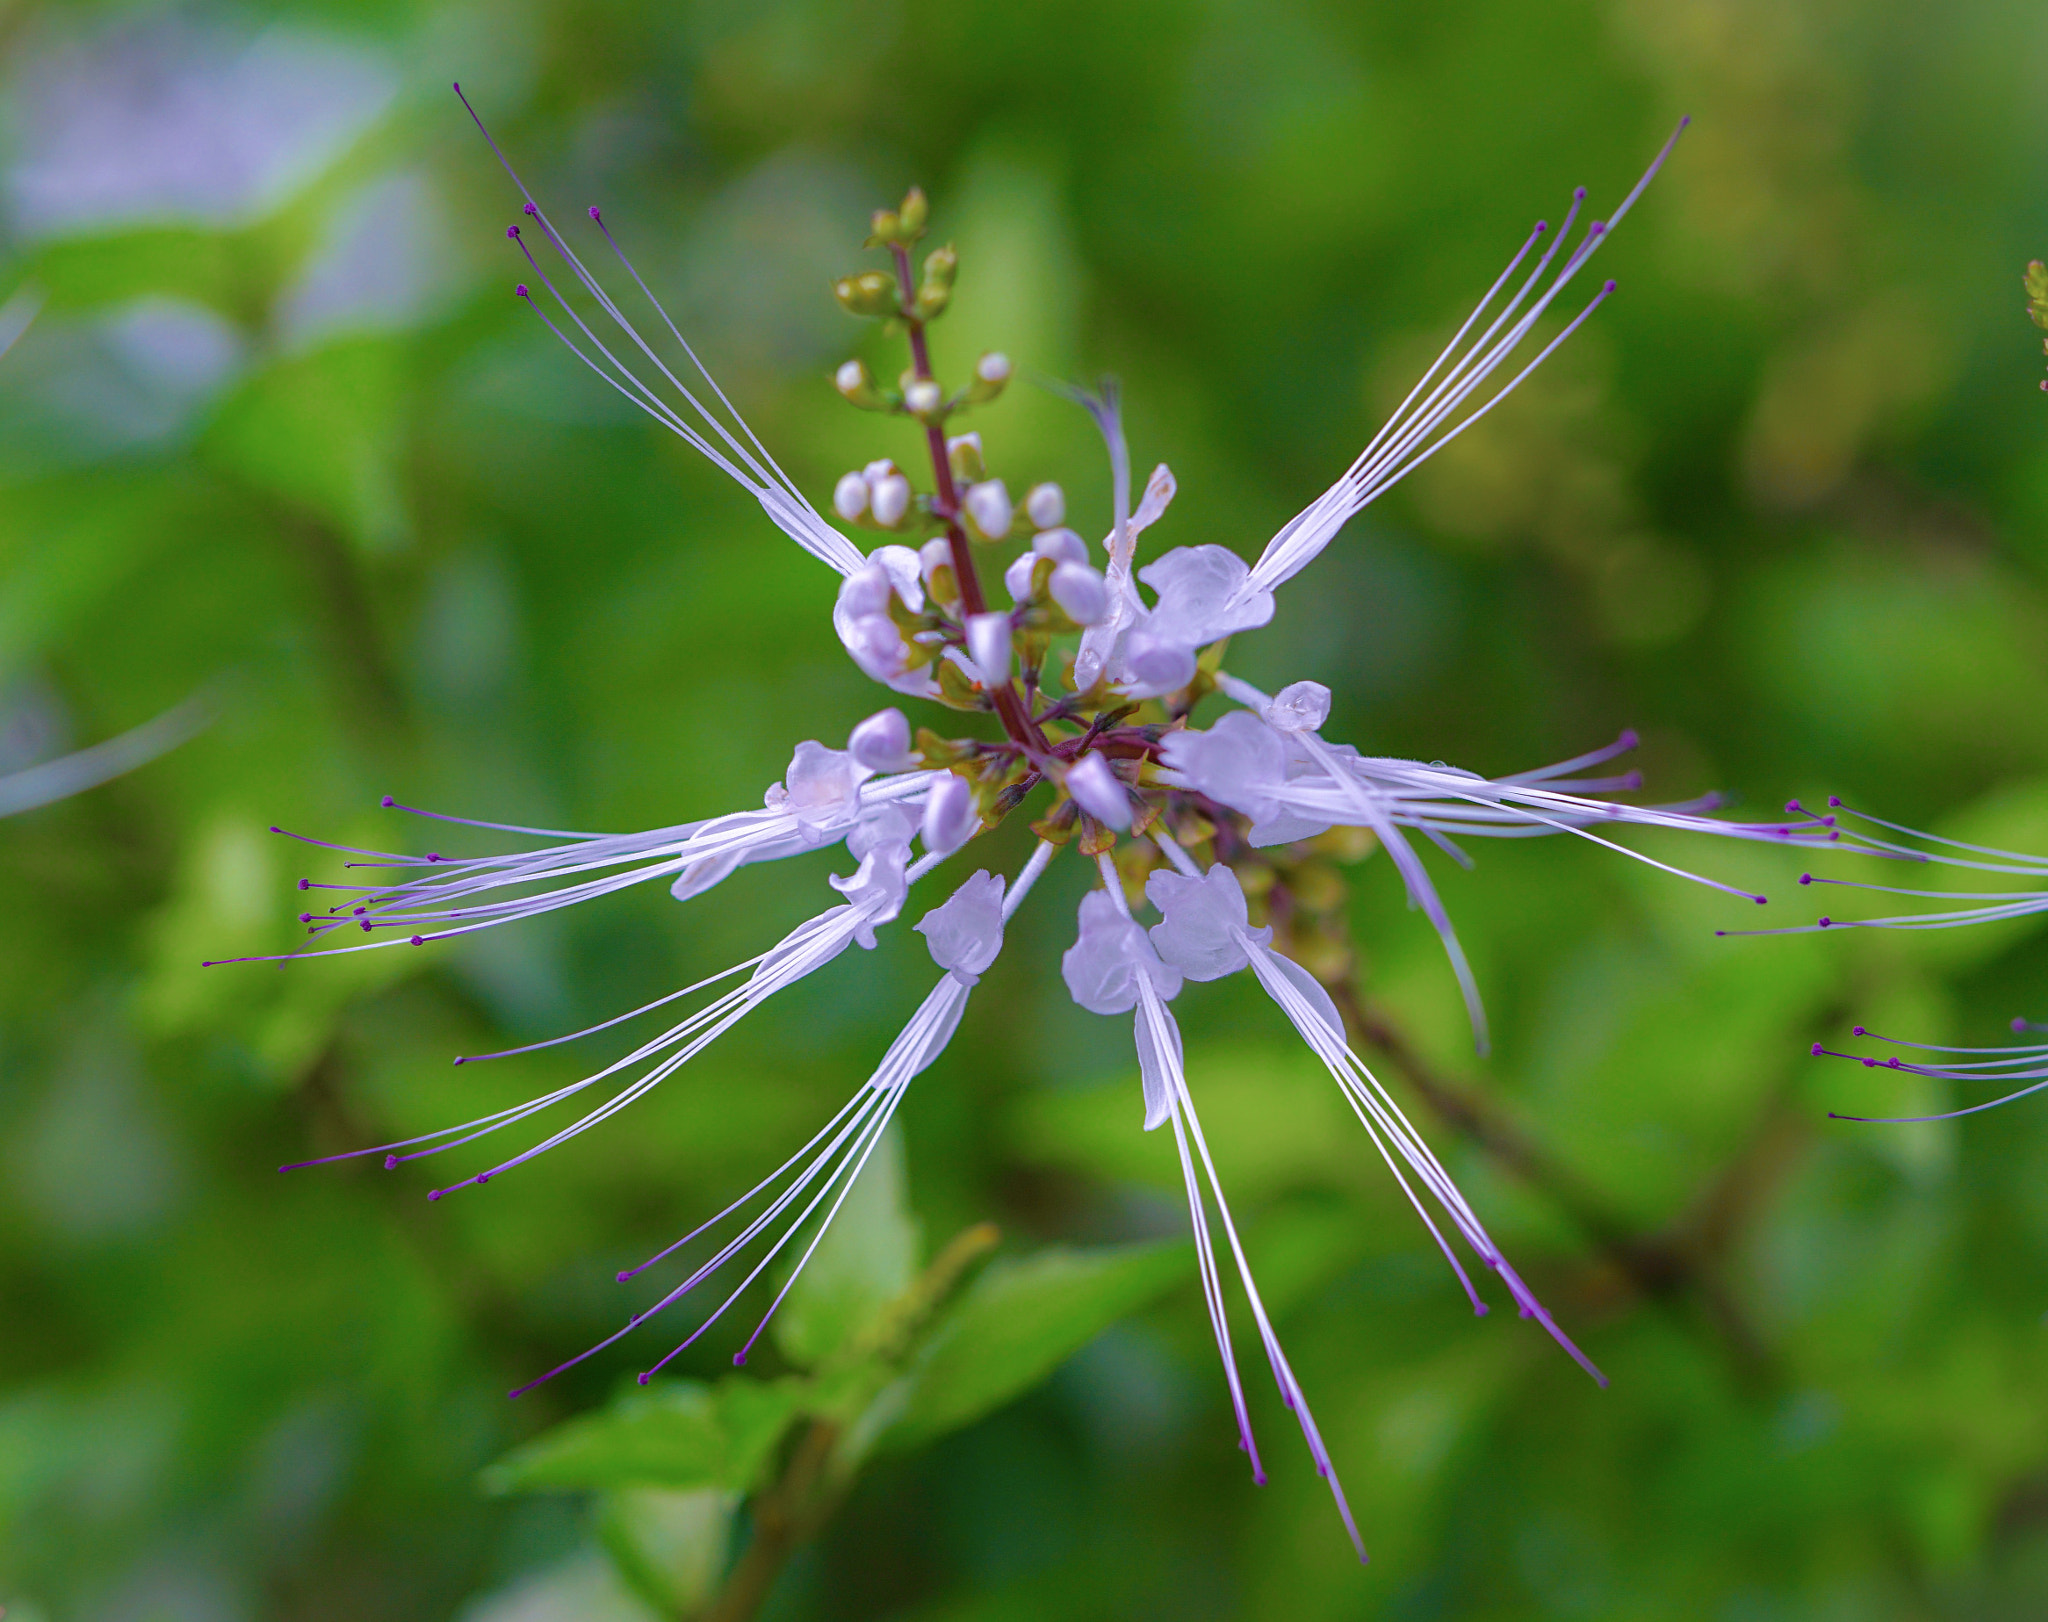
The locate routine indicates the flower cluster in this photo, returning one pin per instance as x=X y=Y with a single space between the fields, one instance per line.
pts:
x=1084 y=690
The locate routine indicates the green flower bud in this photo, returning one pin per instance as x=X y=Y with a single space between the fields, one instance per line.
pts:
x=941 y=265
x=852 y=381
x=871 y=293
x=963 y=452
x=2036 y=281
x=991 y=372
x=883 y=229
x=914 y=212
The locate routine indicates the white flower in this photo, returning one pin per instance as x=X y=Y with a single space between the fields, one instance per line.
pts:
x=966 y=932
x=950 y=817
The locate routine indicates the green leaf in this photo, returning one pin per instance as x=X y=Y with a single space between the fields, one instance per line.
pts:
x=866 y=1259
x=680 y=1434
x=669 y=1547
x=1017 y=1323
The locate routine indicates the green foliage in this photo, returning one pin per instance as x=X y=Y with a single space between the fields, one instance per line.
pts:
x=1775 y=505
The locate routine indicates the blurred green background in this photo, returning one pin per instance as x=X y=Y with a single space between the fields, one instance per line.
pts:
x=1783 y=506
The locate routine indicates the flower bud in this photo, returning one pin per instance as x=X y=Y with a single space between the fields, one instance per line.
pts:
x=1017 y=577
x=1096 y=789
x=880 y=468
x=991 y=372
x=988 y=645
x=935 y=292
x=850 y=496
x=988 y=509
x=889 y=500
x=950 y=819
x=935 y=563
x=1082 y=592
x=1046 y=506
x=871 y=293
x=963 y=454
x=912 y=213
x=853 y=381
x=1061 y=545
x=882 y=742
x=924 y=399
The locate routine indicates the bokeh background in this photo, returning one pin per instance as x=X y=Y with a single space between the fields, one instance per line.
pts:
x=280 y=432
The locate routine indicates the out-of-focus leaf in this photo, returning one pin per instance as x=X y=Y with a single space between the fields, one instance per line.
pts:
x=669 y=1547
x=678 y=1435
x=867 y=1257
x=1016 y=1324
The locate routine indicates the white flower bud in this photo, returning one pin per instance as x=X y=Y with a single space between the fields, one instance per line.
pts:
x=1096 y=788
x=1061 y=545
x=1301 y=706
x=963 y=456
x=924 y=397
x=1082 y=592
x=988 y=509
x=994 y=367
x=878 y=470
x=1018 y=576
x=935 y=553
x=988 y=645
x=891 y=500
x=851 y=378
x=850 y=496
x=1047 y=506
x=950 y=819
x=882 y=742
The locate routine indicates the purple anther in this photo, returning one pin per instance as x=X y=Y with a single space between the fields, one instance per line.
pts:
x=622 y=1278
x=2019 y=1024
x=1628 y=738
x=387 y=802
x=739 y=1360
x=644 y=1378
x=1825 y=922
x=1792 y=808
x=1869 y=1064
x=419 y=940
x=305 y=917
x=1760 y=900
x=305 y=884
x=1858 y=1030
x=361 y=910
x=1834 y=800
x=1827 y=822
x=1894 y=1063
x=432 y=857
x=434 y=1193
x=1612 y=284
x=533 y=209
x=1818 y=1050
x=1578 y=194
x=367 y=926
x=482 y=1178
x=1806 y=878
x=512 y=231
x=594 y=214
x=1784 y=833
x=519 y=291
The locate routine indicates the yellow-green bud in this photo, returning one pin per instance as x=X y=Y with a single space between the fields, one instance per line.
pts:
x=914 y=212
x=852 y=380
x=991 y=372
x=883 y=229
x=941 y=265
x=963 y=452
x=870 y=293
